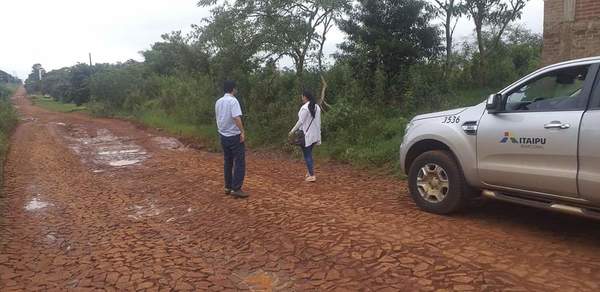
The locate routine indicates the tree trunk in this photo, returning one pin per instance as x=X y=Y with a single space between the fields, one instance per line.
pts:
x=448 y=41
x=326 y=26
x=323 y=102
x=482 y=53
x=300 y=72
x=320 y=56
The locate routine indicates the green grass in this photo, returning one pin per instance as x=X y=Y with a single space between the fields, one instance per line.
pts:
x=158 y=119
x=53 y=105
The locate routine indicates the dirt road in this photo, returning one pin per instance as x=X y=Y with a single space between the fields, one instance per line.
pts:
x=98 y=203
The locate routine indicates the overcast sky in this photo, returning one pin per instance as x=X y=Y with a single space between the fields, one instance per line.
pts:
x=60 y=33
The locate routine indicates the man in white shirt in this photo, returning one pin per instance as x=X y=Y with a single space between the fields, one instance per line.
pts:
x=231 y=129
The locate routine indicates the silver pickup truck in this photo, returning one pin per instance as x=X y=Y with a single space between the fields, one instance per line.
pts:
x=536 y=142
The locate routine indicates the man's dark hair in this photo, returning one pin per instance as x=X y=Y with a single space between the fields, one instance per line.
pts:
x=229 y=86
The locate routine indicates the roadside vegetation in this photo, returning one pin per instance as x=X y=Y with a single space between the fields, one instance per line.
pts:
x=55 y=105
x=8 y=116
x=396 y=62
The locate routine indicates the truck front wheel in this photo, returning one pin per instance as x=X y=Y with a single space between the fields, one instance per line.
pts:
x=437 y=184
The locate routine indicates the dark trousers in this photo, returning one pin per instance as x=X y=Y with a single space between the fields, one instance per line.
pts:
x=235 y=162
x=308 y=158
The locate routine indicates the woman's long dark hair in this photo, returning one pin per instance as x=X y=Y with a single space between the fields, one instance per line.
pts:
x=312 y=105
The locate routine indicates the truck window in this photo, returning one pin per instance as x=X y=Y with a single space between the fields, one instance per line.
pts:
x=557 y=90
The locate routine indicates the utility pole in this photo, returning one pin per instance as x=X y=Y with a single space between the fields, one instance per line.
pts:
x=90 y=76
x=40 y=78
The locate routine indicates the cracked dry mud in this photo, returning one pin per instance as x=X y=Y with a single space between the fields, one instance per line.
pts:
x=98 y=204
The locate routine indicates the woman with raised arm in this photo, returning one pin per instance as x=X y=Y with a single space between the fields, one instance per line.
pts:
x=309 y=122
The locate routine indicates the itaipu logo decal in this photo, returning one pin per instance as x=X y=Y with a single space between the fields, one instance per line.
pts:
x=508 y=136
x=525 y=142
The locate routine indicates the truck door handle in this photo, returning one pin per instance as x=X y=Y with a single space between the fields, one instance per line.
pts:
x=557 y=125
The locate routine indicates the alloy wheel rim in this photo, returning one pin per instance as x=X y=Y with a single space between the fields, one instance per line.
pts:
x=433 y=183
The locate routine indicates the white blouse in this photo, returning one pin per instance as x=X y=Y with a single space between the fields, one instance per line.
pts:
x=312 y=135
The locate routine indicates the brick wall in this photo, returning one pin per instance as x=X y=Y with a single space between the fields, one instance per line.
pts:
x=571 y=30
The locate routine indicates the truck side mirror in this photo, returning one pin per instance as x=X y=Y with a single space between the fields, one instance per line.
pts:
x=494 y=103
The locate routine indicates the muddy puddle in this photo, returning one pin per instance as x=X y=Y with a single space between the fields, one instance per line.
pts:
x=28 y=119
x=144 y=210
x=103 y=148
x=168 y=143
x=36 y=204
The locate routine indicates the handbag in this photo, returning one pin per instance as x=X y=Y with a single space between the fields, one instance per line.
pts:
x=298 y=138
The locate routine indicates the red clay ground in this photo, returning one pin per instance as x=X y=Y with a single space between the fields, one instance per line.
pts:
x=73 y=219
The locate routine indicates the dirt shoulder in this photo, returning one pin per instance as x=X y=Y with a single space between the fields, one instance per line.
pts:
x=98 y=203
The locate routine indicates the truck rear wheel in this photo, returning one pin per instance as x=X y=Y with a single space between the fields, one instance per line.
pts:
x=437 y=184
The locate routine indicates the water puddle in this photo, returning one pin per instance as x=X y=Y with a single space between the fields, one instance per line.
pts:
x=50 y=238
x=36 y=204
x=105 y=149
x=140 y=212
x=168 y=143
x=119 y=152
x=120 y=163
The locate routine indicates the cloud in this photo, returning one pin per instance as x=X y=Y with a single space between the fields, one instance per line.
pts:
x=62 y=32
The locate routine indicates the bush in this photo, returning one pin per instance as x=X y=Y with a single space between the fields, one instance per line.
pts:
x=427 y=89
x=8 y=120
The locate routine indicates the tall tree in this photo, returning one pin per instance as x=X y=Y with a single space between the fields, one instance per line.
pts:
x=386 y=37
x=506 y=13
x=33 y=83
x=231 y=40
x=58 y=83
x=80 y=83
x=496 y=14
x=7 y=78
x=450 y=11
x=175 y=54
x=290 y=28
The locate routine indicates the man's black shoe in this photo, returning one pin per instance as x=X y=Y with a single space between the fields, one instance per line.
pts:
x=239 y=194
x=228 y=191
